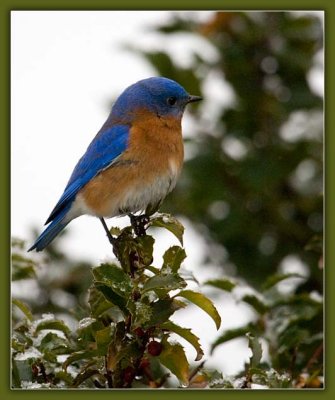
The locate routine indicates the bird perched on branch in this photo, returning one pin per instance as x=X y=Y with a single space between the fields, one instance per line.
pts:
x=132 y=163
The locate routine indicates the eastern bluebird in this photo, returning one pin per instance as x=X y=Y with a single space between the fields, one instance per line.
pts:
x=132 y=163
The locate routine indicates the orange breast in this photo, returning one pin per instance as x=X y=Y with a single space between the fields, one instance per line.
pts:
x=144 y=174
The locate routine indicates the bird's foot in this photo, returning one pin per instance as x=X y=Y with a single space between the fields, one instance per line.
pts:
x=139 y=223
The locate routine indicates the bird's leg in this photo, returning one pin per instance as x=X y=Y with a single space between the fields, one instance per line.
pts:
x=112 y=240
x=139 y=223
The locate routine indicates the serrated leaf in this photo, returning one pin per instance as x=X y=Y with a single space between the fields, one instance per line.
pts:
x=173 y=258
x=231 y=334
x=223 y=284
x=53 y=324
x=162 y=310
x=114 y=277
x=173 y=358
x=256 y=303
x=274 y=279
x=170 y=223
x=187 y=334
x=256 y=350
x=24 y=308
x=204 y=303
x=170 y=282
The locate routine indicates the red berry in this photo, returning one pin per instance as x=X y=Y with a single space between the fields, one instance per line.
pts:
x=155 y=348
x=145 y=363
x=139 y=332
x=128 y=374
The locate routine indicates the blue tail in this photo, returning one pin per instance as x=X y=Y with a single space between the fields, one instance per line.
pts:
x=48 y=235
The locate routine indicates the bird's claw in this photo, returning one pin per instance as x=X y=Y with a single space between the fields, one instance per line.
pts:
x=139 y=223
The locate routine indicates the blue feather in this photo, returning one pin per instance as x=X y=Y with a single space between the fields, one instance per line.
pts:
x=56 y=226
x=103 y=150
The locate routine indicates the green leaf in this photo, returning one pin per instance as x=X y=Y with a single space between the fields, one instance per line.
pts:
x=114 y=277
x=256 y=303
x=223 y=284
x=79 y=355
x=112 y=297
x=170 y=281
x=53 y=324
x=173 y=258
x=54 y=343
x=274 y=279
x=142 y=314
x=231 y=334
x=162 y=310
x=187 y=334
x=170 y=223
x=84 y=375
x=22 y=267
x=98 y=302
x=256 y=350
x=145 y=248
x=103 y=337
x=204 y=303
x=173 y=358
x=24 y=308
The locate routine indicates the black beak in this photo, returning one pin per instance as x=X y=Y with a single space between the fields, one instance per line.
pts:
x=192 y=99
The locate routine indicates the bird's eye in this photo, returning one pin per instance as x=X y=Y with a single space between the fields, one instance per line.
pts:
x=171 y=100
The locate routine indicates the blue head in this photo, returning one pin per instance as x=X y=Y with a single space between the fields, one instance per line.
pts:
x=158 y=95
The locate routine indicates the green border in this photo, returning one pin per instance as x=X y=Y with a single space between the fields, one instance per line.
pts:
x=5 y=7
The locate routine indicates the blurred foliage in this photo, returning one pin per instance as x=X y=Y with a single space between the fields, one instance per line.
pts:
x=120 y=333
x=252 y=182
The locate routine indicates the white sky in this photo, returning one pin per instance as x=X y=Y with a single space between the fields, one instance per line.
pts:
x=65 y=65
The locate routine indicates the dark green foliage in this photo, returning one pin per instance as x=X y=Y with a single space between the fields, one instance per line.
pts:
x=122 y=333
x=252 y=201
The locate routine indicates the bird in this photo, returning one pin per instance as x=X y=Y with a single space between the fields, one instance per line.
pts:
x=131 y=164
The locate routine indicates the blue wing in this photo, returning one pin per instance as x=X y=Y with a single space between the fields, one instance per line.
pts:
x=101 y=153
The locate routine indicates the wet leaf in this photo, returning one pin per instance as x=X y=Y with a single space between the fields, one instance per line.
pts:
x=114 y=277
x=173 y=258
x=187 y=334
x=173 y=358
x=170 y=282
x=170 y=223
x=53 y=324
x=204 y=303
x=54 y=343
